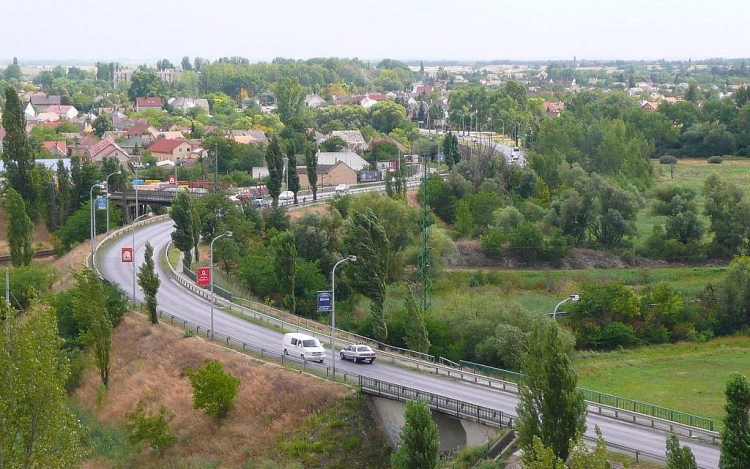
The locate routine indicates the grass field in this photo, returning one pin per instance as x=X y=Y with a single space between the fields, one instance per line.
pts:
x=686 y=376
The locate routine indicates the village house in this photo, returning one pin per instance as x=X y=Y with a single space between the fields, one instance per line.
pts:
x=650 y=106
x=328 y=175
x=353 y=160
x=183 y=104
x=553 y=109
x=62 y=110
x=353 y=139
x=313 y=101
x=107 y=149
x=171 y=150
x=58 y=149
x=141 y=104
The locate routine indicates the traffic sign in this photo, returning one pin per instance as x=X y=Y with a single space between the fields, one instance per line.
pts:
x=204 y=276
x=101 y=203
x=127 y=254
x=172 y=180
x=325 y=303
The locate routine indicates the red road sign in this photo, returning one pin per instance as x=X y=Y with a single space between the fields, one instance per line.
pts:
x=204 y=276
x=172 y=180
x=127 y=254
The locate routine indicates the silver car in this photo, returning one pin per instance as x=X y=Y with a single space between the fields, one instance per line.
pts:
x=358 y=353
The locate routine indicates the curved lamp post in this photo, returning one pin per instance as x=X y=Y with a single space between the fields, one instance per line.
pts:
x=570 y=298
x=333 y=309
x=227 y=234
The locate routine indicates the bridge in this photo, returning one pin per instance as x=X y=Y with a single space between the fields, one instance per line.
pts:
x=129 y=200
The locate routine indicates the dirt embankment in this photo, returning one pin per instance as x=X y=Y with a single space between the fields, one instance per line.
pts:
x=42 y=238
x=149 y=365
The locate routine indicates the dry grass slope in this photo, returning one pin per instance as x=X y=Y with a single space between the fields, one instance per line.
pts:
x=149 y=365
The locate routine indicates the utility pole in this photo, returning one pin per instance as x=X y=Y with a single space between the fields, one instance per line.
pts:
x=424 y=245
x=216 y=167
x=7 y=285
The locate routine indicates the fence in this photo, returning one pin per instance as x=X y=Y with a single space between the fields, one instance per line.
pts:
x=226 y=294
x=604 y=399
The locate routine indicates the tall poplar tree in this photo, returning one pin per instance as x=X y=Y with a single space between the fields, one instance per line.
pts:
x=735 y=437
x=283 y=256
x=18 y=154
x=90 y=309
x=420 y=441
x=183 y=213
x=293 y=176
x=20 y=229
x=275 y=165
x=149 y=281
x=311 y=161
x=551 y=407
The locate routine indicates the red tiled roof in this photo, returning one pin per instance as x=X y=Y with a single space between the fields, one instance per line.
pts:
x=424 y=89
x=137 y=129
x=378 y=96
x=100 y=147
x=61 y=146
x=59 y=108
x=166 y=145
x=149 y=102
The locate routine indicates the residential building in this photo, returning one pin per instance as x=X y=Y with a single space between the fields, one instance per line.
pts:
x=258 y=135
x=171 y=149
x=377 y=140
x=328 y=175
x=353 y=139
x=126 y=74
x=553 y=109
x=313 y=101
x=40 y=102
x=151 y=102
x=57 y=148
x=62 y=110
x=185 y=104
x=107 y=149
x=353 y=160
x=650 y=106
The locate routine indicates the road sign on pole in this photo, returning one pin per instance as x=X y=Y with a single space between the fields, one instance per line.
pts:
x=324 y=302
x=101 y=203
x=203 y=276
x=127 y=254
x=172 y=180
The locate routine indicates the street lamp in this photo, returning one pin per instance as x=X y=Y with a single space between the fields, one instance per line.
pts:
x=132 y=225
x=107 y=179
x=333 y=309
x=92 y=218
x=570 y=298
x=227 y=234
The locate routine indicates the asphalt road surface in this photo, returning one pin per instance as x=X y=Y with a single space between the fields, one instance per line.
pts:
x=174 y=299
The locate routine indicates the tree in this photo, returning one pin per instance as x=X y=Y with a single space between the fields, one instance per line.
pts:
x=184 y=215
x=164 y=64
x=334 y=143
x=679 y=457
x=283 y=254
x=102 y=124
x=13 y=71
x=671 y=161
x=416 y=336
x=186 y=65
x=152 y=429
x=419 y=439
x=551 y=407
x=149 y=281
x=38 y=428
x=293 y=177
x=20 y=229
x=311 y=162
x=90 y=309
x=365 y=238
x=290 y=98
x=451 y=150
x=146 y=83
x=735 y=436
x=729 y=214
x=214 y=390
x=18 y=153
x=275 y=165
x=387 y=115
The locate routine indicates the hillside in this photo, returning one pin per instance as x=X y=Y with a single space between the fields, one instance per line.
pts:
x=41 y=235
x=280 y=417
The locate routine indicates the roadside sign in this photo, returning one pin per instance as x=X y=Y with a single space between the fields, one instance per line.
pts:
x=203 y=276
x=127 y=254
x=172 y=180
x=324 y=302
x=101 y=203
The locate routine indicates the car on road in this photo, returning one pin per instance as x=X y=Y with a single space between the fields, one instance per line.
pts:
x=516 y=149
x=286 y=195
x=303 y=346
x=342 y=189
x=358 y=353
x=261 y=203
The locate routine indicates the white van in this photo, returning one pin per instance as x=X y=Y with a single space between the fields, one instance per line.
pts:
x=303 y=346
x=342 y=189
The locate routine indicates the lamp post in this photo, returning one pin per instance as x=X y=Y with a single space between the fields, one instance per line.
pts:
x=112 y=174
x=333 y=309
x=211 y=276
x=92 y=218
x=570 y=298
x=132 y=225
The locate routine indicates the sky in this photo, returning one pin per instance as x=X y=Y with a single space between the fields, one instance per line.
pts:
x=147 y=30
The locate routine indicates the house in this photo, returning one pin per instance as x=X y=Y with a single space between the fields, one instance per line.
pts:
x=260 y=172
x=135 y=144
x=168 y=127
x=367 y=102
x=139 y=129
x=57 y=148
x=669 y=99
x=650 y=106
x=553 y=109
x=377 y=140
x=62 y=110
x=44 y=117
x=353 y=160
x=245 y=139
x=353 y=139
x=258 y=135
x=170 y=135
x=424 y=89
x=153 y=102
x=183 y=104
x=328 y=175
x=107 y=149
x=40 y=102
x=313 y=101
x=171 y=149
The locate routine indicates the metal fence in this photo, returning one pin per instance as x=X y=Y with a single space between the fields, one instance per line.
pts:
x=222 y=292
x=610 y=400
x=446 y=405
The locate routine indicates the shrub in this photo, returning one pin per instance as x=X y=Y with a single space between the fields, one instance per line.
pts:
x=614 y=335
x=152 y=429
x=716 y=159
x=213 y=388
x=492 y=243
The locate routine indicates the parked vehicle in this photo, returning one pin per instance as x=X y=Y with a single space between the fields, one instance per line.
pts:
x=303 y=346
x=261 y=203
x=358 y=353
x=286 y=195
x=342 y=189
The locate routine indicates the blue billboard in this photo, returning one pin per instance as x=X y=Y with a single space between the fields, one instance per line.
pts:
x=325 y=302
x=101 y=203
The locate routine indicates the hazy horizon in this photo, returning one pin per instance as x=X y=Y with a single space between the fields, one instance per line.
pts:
x=439 y=30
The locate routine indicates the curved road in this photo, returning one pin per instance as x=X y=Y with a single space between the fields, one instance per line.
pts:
x=174 y=299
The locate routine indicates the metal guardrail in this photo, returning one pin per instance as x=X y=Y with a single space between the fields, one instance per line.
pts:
x=446 y=405
x=596 y=397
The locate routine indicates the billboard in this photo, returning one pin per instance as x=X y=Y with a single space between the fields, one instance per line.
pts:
x=325 y=302
x=369 y=176
x=204 y=276
x=127 y=254
x=101 y=203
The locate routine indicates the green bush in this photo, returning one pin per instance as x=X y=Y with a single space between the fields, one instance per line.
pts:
x=615 y=335
x=492 y=243
x=716 y=159
x=213 y=388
